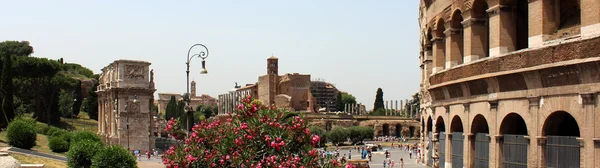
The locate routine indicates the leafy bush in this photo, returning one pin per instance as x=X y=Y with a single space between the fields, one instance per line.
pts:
x=21 y=133
x=253 y=135
x=338 y=135
x=55 y=131
x=80 y=154
x=84 y=135
x=58 y=144
x=113 y=156
x=315 y=130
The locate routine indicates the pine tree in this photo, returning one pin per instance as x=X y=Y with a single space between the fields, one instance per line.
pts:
x=171 y=109
x=339 y=104
x=378 y=100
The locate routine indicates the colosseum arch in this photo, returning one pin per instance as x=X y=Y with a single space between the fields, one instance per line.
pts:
x=518 y=29
x=457 y=141
x=514 y=144
x=455 y=37
x=480 y=147
x=477 y=29
x=440 y=129
x=562 y=147
x=563 y=18
x=439 y=46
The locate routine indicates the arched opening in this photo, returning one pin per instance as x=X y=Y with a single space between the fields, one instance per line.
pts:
x=429 y=145
x=521 y=23
x=411 y=131
x=328 y=126
x=386 y=129
x=562 y=147
x=440 y=128
x=481 y=145
x=457 y=139
x=514 y=144
x=456 y=53
x=479 y=26
x=567 y=17
x=439 y=46
x=398 y=130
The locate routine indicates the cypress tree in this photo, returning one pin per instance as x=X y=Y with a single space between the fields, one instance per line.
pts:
x=378 y=100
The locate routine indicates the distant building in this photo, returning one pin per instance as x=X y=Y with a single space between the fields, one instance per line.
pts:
x=325 y=95
x=288 y=91
x=164 y=98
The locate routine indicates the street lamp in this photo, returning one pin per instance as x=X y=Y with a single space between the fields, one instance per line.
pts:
x=202 y=55
x=72 y=120
x=127 y=117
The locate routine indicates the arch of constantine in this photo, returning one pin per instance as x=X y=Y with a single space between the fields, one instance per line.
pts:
x=125 y=94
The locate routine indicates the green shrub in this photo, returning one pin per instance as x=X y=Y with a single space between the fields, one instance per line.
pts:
x=58 y=144
x=80 y=154
x=338 y=135
x=113 y=156
x=55 y=131
x=21 y=133
x=84 y=135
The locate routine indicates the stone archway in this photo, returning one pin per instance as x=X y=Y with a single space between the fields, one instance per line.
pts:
x=481 y=145
x=514 y=146
x=562 y=149
x=386 y=129
x=398 y=130
x=457 y=141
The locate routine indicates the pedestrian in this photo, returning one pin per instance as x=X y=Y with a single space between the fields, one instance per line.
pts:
x=410 y=154
x=384 y=164
x=148 y=153
x=392 y=165
x=349 y=154
x=401 y=164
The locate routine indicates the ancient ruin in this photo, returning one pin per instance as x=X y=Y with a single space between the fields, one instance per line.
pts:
x=125 y=94
x=510 y=83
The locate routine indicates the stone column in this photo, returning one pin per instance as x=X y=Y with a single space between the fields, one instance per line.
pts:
x=590 y=17
x=396 y=106
x=543 y=21
x=428 y=61
x=476 y=43
x=454 y=43
x=386 y=108
x=503 y=32
x=588 y=141
x=535 y=148
x=439 y=56
x=100 y=116
x=448 y=152
x=401 y=107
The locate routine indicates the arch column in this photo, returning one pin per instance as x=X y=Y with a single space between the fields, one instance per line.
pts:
x=590 y=18
x=100 y=118
x=543 y=21
x=454 y=41
x=589 y=151
x=475 y=39
x=439 y=57
x=535 y=148
x=502 y=32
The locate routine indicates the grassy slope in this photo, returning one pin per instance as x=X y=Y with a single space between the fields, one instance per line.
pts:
x=29 y=159
x=83 y=122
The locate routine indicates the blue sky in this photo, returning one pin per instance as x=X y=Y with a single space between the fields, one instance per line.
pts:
x=357 y=45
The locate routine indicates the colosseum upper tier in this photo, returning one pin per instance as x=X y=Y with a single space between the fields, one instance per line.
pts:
x=510 y=83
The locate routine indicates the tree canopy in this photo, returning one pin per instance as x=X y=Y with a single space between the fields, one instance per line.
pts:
x=378 y=100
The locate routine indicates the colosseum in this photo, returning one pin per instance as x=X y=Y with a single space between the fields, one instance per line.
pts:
x=510 y=83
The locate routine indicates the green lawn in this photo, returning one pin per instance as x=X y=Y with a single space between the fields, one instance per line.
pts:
x=81 y=123
x=29 y=159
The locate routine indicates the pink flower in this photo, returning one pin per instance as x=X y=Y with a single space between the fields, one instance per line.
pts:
x=240 y=106
x=190 y=158
x=306 y=131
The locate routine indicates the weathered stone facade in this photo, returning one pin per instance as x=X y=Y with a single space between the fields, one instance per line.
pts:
x=507 y=70
x=125 y=94
x=195 y=100
x=383 y=125
x=289 y=91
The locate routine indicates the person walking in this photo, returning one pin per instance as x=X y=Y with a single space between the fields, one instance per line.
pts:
x=349 y=154
x=384 y=164
x=410 y=154
x=401 y=163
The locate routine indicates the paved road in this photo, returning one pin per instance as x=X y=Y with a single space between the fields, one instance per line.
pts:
x=39 y=154
x=396 y=154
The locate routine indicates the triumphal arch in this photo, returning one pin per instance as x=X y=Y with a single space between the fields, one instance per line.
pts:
x=125 y=94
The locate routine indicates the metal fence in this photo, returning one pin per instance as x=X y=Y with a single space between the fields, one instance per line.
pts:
x=457 y=149
x=514 y=151
x=482 y=150
x=164 y=143
x=442 y=151
x=562 y=152
x=431 y=152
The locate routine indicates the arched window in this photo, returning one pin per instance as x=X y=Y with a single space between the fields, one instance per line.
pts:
x=455 y=37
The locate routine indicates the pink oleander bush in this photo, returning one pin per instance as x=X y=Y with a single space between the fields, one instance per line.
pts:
x=253 y=136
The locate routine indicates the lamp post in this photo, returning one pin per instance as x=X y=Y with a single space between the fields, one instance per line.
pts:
x=202 y=55
x=127 y=118
x=72 y=117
